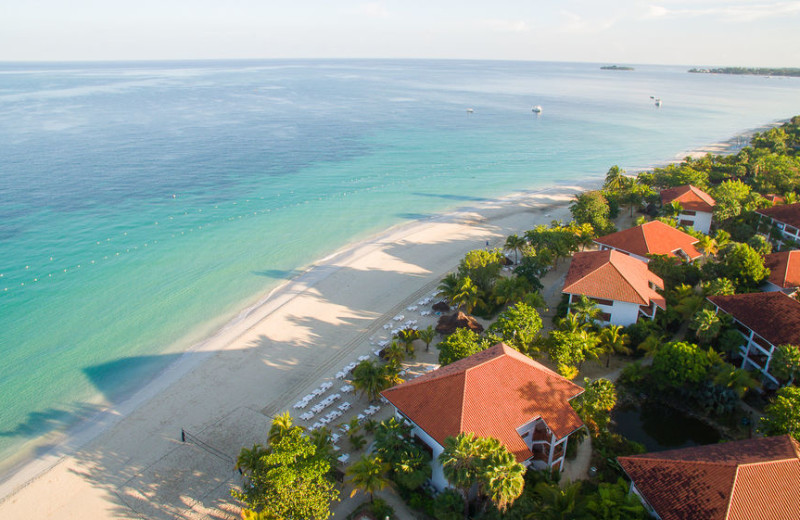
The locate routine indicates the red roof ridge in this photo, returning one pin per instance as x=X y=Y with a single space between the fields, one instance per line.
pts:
x=627 y=279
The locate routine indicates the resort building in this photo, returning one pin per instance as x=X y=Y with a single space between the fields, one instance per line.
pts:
x=765 y=320
x=622 y=286
x=786 y=218
x=698 y=206
x=498 y=393
x=652 y=238
x=784 y=272
x=754 y=479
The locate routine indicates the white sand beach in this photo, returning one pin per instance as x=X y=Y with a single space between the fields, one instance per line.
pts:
x=130 y=462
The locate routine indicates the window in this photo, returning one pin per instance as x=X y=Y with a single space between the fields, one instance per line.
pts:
x=605 y=316
x=689 y=213
x=600 y=301
x=684 y=222
x=526 y=434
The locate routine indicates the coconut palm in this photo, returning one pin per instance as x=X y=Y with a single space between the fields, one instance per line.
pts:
x=706 y=324
x=502 y=477
x=585 y=309
x=368 y=474
x=280 y=425
x=449 y=286
x=468 y=295
x=570 y=323
x=613 y=341
x=515 y=243
x=371 y=379
x=687 y=301
x=508 y=291
x=673 y=209
x=460 y=463
x=394 y=353
x=737 y=379
x=708 y=245
x=427 y=335
x=558 y=503
x=615 y=178
x=250 y=459
x=408 y=337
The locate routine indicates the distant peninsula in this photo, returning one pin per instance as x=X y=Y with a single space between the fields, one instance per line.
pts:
x=760 y=71
x=615 y=67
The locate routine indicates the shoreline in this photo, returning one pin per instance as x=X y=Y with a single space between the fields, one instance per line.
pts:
x=21 y=475
x=25 y=474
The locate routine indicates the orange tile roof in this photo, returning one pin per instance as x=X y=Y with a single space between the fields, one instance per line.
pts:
x=784 y=268
x=691 y=198
x=491 y=394
x=652 y=238
x=786 y=213
x=612 y=275
x=772 y=315
x=751 y=479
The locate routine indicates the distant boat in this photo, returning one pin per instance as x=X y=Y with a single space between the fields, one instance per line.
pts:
x=537 y=109
x=658 y=102
x=469 y=111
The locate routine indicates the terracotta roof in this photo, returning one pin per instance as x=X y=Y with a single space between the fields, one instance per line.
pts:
x=691 y=198
x=751 y=479
x=786 y=213
x=491 y=394
x=772 y=315
x=784 y=268
x=612 y=275
x=652 y=238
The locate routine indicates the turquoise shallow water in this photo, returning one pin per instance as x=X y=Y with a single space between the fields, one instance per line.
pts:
x=143 y=204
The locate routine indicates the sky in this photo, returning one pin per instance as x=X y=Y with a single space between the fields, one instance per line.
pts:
x=680 y=32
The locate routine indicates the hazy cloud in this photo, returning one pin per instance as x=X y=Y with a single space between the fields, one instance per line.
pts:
x=742 y=12
x=508 y=26
x=373 y=10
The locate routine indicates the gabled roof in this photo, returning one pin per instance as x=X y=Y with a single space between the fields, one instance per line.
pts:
x=491 y=394
x=691 y=198
x=652 y=238
x=772 y=315
x=786 y=213
x=753 y=479
x=784 y=268
x=612 y=275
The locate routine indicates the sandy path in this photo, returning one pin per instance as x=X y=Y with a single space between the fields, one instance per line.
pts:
x=130 y=463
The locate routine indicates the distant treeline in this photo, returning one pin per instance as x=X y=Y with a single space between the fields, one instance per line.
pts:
x=751 y=71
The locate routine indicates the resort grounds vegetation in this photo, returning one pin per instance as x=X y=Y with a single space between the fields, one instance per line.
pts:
x=686 y=358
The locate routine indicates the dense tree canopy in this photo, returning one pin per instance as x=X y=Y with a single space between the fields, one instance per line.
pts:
x=518 y=326
x=783 y=414
x=678 y=363
x=591 y=207
x=290 y=480
x=460 y=344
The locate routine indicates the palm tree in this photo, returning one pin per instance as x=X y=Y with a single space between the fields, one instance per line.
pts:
x=427 y=335
x=368 y=474
x=408 y=337
x=508 y=291
x=280 y=425
x=460 y=464
x=394 y=353
x=673 y=209
x=613 y=341
x=468 y=295
x=570 y=323
x=502 y=477
x=737 y=379
x=515 y=243
x=585 y=309
x=706 y=325
x=558 y=503
x=250 y=459
x=371 y=379
x=687 y=301
x=449 y=286
x=708 y=245
x=615 y=178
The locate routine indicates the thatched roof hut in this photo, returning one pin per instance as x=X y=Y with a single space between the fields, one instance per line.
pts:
x=449 y=324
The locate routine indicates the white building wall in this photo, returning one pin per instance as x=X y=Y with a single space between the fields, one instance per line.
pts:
x=624 y=313
x=437 y=474
x=700 y=221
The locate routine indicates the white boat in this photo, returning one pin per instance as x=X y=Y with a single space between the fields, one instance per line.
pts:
x=537 y=109
x=469 y=111
x=658 y=102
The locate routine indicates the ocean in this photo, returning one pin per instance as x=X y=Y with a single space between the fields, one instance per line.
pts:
x=143 y=205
